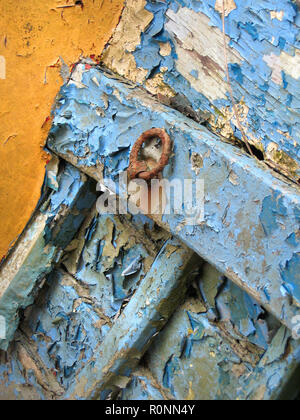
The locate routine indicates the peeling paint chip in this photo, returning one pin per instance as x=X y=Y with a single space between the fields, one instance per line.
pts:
x=133 y=268
x=285 y=62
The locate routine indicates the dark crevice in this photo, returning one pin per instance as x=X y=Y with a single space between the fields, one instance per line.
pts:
x=182 y=104
x=257 y=153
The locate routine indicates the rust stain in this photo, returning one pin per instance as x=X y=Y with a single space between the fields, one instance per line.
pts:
x=139 y=168
x=39 y=40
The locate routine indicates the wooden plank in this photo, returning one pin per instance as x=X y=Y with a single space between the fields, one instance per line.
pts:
x=160 y=292
x=240 y=356
x=250 y=231
x=87 y=314
x=88 y=307
x=40 y=247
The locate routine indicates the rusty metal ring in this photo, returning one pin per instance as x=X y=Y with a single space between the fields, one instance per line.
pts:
x=139 y=169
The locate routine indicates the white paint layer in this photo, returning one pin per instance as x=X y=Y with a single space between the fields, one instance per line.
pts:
x=284 y=62
x=200 y=47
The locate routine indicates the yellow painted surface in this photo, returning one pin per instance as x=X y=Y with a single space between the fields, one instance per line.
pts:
x=35 y=36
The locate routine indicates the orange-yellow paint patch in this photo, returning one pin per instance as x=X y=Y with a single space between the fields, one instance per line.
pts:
x=36 y=37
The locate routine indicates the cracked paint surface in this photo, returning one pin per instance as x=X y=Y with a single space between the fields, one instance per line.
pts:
x=116 y=289
x=195 y=358
x=142 y=319
x=39 y=42
x=263 y=55
x=143 y=387
x=44 y=242
x=249 y=213
x=77 y=318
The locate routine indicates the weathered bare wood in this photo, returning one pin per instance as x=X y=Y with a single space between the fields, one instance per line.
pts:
x=178 y=47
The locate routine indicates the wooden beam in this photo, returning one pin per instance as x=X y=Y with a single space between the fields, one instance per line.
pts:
x=250 y=230
x=40 y=246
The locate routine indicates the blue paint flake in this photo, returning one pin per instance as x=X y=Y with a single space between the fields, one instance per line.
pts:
x=294 y=239
x=272 y=208
x=172 y=368
x=195 y=74
x=281 y=43
x=291 y=275
x=236 y=70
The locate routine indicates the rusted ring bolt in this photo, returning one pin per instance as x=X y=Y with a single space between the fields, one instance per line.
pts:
x=139 y=169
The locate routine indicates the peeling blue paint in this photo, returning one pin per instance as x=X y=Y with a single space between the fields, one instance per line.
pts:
x=143 y=388
x=142 y=319
x=254 y=34
x=68 y=206
x=294 y=239
x=291 y=275
x=75 y=312
x=272 y=209
x=214 y=368
x=245 y=231
x=195 y=74
x=172 y=368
